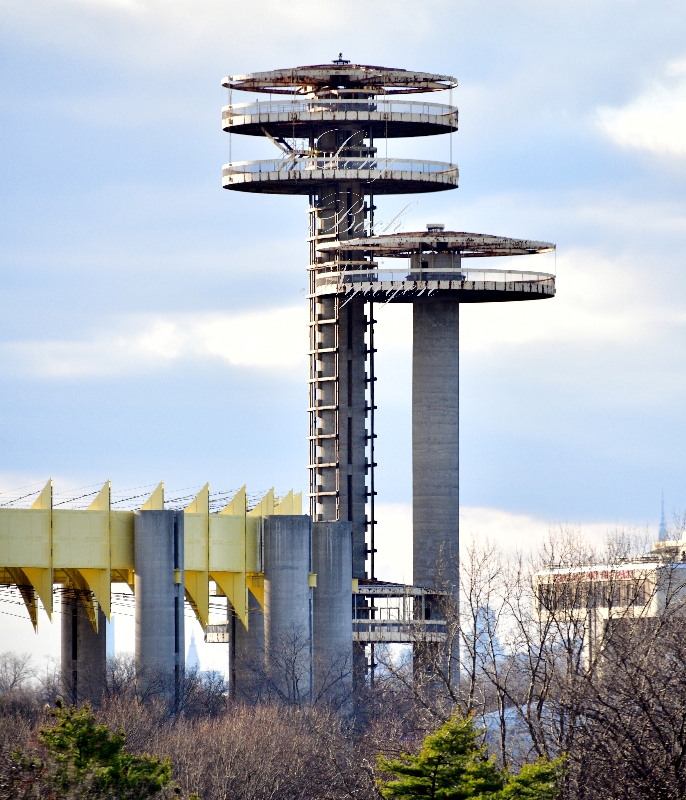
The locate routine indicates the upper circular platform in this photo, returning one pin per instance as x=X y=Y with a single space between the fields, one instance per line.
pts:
x=433 y=267
x=305 y=175
x=382 y=118
x=340 y=78
x=468 y=245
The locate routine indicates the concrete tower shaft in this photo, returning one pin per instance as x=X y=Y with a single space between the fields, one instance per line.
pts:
x=326 y=131
x=428 y=269
x=435 y=436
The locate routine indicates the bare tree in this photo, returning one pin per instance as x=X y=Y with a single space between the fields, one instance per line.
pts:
x=16 y=671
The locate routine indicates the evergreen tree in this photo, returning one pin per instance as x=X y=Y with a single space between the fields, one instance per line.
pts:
x=452 y=765
x=85 y=760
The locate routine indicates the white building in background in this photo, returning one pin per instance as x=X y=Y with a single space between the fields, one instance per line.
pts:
x=662 y=531
x=192 y=657
x=109 y=638
x=596 y=596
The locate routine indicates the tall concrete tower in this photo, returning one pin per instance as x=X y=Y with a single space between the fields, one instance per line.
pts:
x=327 y=121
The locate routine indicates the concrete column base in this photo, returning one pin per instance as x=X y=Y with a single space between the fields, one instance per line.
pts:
x=246 y=660
x=332 y=610
x=288 y=607
x=84 y=652
x=160 y=644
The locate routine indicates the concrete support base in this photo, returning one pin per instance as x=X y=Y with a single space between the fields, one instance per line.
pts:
x=160 y=645
x=246 y=659
x=352 y=429
x=84 y=652
x=288 y=607
x=435 y=441
x=332 y=614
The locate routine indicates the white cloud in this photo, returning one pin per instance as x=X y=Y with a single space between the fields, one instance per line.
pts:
x=520 y=532
x=653 y=121
x=599 y=300
x=270 y=339
x=509 y=531
x=168 y=34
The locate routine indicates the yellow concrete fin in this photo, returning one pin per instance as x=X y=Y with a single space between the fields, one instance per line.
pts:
x=98 y=581
x=237 y=504
x=233 y=584
x=86 y=594
x=196 y=532
x=197 y=588
x=256 y=586
x=102 y=501
x=285 y=504
x=265 y=508
x=291 y=504
x=27 y=593
x=196 y=554
x=156 y=500
x=44 y=499
x=201 y=504
x=26 y=548
x=41 y=580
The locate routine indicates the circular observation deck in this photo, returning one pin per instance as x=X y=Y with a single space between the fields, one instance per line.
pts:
x=433 y=265
x=304 y=175
x=339 y=79
x=301 y=118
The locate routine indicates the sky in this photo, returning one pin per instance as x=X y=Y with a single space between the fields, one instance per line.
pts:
x=153 y=325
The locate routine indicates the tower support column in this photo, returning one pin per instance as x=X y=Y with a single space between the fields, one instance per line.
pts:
x=246 y=661
x=332 y=616
x=288 y=606
x=83 y=651
x=159 y=588
x=435 y=440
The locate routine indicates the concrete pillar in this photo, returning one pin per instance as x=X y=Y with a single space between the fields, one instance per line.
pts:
x=288 y=606
x=352 y=437
x=160 y=644
x=246 y=662
x=352 y=428
x=332 y=614
x=84 y=657
x=435 y=439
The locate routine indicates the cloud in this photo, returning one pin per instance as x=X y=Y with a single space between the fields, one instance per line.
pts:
x=600 y=300
x=270 y=339
x=511 y=532
x=169 y=34
x=655 y=120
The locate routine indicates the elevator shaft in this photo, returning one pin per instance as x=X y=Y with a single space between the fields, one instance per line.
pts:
x=339 y=351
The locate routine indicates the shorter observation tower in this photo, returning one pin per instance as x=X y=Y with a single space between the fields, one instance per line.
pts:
x=429 y=269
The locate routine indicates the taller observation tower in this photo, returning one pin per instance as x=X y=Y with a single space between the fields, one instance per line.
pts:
x=326 y=121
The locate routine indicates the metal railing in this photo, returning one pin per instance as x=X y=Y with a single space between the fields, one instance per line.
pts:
x=304 y=164
x=399 y=275
x=416 y=630
x=447 y=114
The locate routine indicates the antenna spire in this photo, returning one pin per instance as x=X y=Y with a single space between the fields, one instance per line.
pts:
x=662 y=534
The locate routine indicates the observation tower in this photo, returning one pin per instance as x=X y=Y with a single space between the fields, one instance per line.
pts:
x=326 y=122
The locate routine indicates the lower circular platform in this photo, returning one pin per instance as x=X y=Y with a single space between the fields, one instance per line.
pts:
x=497 y=288
x=304 y=176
